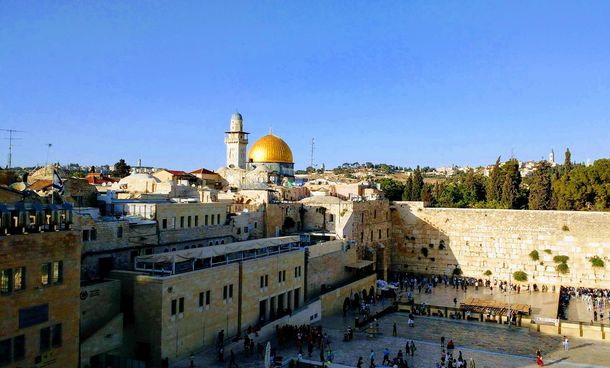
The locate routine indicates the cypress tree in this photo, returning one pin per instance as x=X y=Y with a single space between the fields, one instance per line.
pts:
x=494 y=183
x=540 y=189
x=418 y=185
x=406 y=194
x=512 y=181
x=567 y=163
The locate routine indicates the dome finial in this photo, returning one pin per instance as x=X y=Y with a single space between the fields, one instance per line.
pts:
x=270 y=129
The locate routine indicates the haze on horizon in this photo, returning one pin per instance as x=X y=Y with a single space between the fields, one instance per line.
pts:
x=402 y=83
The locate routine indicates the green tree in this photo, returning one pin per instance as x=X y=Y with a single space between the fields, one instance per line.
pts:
x=511 y=192
x=393 y=189
x=406 y=194
x=121 y=169
x=418 y=185
x=540 y=188
x=494 y=184
x=567 y=162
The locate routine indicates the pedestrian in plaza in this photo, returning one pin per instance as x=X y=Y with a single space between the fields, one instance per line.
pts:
x=471 y=364
x=221 y=354
x=372 y=357
x=455 y=302
x=192 y=358
x=413 y=348
x=442 y=341
x=565 y=343
x=232 y=362
x=386 y=356
x=394 y=330
x=539 y=361
x=360 y=363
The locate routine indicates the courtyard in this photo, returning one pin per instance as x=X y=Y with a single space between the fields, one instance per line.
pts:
x=489 y=345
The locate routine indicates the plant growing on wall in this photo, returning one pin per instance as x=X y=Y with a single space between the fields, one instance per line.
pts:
x=520 y=276
x=534 y=255
x=424 y=252
x=597 y=262
x=441 y=245
x=561 y=259
x=547 y=251
x=487 y=273
x=562 y=268
x=565 y=228
x=457 y=271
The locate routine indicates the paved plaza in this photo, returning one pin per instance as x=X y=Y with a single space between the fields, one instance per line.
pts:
x=543 y=304
x=490 y=345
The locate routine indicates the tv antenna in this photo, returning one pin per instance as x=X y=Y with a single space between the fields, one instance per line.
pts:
x=311 y=156
x=10 y=144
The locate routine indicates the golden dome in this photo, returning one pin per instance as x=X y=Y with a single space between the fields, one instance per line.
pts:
x=270 y=148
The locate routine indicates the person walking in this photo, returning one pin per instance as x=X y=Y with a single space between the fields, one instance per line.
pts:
x=443 y=342
x=413 y=348
x=232 y=362
x=359 y=364
x=192 y=359
x=372 y=357
x=565 y=343
x=394 y=330
x=539 y=361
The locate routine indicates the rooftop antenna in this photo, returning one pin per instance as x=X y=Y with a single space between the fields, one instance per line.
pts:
x=49 y=145
x=312 y=149
x=10 y=144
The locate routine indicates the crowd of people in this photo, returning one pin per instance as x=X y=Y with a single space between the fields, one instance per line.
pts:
x=597 y=302
x=410 y=283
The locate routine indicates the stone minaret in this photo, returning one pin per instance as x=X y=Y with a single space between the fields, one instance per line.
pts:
x=236 y=141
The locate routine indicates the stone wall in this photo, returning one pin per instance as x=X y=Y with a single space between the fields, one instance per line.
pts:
x=501 y=241
x=326 y=265
x=99 y=303
x=332 y=302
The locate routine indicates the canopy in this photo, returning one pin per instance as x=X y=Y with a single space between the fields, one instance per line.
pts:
x=217 y=250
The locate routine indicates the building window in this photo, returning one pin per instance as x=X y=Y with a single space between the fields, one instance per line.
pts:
x=255 y=225
x=371 y=235
x=5 y=351
x=45 y=271
x=204 y=298
x=331 y=217
x=374 y=213
x=262 y=282
x=387 y=231
x=174 y=306
x=58 y=272
x=181 y=305
x=212 y=221
x=18 y=348
x=86 y=235
x=245 y=229
x=227 y=292
x=281 y=276
x=56 y=335
x=218 y=219
x=362 y=236
x=196 y=221
x=181 y=222
x=164 y=224
x=297 y=271
x=12 y=350
x=119 y=232
x=45 y=339
x=205 y=220
x=231 y=291
x=6 y=281
x=93 y=234
x=379 y=233
x=188 y=220
x=19 y=279
x=238 y=230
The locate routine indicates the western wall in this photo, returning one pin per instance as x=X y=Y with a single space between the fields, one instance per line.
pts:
x=435 y=240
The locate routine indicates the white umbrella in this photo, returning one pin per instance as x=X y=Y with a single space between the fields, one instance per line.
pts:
x=268 y=355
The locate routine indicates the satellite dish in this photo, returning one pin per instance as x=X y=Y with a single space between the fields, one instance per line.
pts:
x=18 y=186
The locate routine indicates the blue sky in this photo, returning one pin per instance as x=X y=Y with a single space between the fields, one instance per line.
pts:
x=405 y=82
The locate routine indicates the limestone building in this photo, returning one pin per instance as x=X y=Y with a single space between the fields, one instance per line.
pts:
x=39 y=286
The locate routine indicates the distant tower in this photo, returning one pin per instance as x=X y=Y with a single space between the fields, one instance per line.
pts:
x=552 y=157
x=236 y=141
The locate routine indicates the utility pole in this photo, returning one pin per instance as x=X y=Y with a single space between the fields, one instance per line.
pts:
x=10 y=144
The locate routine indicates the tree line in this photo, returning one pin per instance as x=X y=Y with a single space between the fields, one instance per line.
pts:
x=563 y=187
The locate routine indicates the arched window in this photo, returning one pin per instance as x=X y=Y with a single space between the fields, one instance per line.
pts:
x=222 y=242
